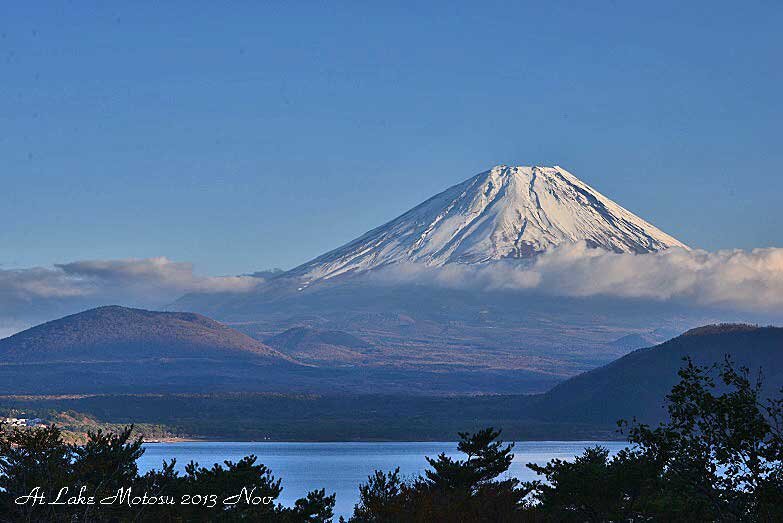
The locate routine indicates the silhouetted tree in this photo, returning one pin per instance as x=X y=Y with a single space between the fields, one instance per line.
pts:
x=38 y=462
x=384 y=498
x=461 y=490
x=717 y=458
x=29 y=460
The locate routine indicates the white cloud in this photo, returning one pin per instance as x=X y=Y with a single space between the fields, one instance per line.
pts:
x=737 y=280
x=40 y=293
x=36 y=282
x=159 y=274
x=746 y=280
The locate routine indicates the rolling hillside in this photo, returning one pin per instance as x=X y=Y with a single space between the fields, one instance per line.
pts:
x=636 y=384
x=116 y=333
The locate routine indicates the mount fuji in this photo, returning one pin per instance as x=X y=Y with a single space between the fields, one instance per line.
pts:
x=488 y=340
x=506 y=212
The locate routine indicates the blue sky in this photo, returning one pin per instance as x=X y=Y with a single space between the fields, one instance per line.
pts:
x=246 y=135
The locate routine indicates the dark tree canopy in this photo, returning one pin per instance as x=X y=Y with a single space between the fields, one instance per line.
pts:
x=106 y=468
x=462 y=490
x=717 y=458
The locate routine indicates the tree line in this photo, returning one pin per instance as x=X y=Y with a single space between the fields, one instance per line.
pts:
x=718 y=457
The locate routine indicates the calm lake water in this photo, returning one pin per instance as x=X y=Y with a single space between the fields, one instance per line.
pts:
x=341 y=467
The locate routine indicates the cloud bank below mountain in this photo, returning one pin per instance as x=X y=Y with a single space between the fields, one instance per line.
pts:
x=34 y=294
x=159 y=276
x=743 y=280
x=750 y=281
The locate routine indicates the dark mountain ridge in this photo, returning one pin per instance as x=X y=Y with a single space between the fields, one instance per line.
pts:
x=312 y=403
x=636 y=384
x=119 y=333
x=121 y=350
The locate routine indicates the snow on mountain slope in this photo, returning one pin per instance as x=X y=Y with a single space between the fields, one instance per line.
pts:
x=506 y=212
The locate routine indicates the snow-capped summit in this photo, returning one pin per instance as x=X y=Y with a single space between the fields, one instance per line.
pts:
x=506 y=212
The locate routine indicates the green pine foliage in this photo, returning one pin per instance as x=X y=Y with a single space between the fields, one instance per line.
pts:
x=469 y=489
x=39 y=461
x=718 y=457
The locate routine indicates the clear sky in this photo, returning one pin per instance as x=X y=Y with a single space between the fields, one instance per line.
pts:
x=247 y=135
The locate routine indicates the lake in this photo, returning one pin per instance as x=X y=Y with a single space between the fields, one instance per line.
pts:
x=341 y=467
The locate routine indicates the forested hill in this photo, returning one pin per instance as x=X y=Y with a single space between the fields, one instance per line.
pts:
x=635 y=384
x=114 y=333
